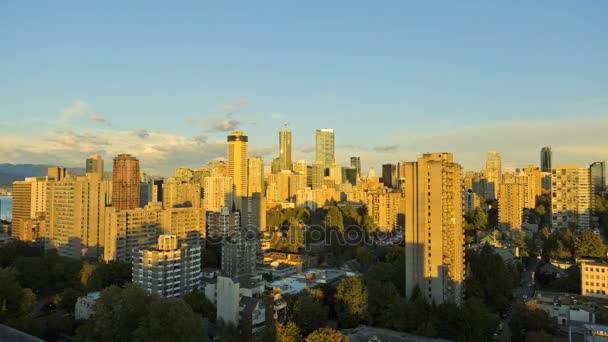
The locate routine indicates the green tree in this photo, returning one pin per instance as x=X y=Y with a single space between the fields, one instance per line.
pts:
x=528 y=317
x=118 y=311
x=201 y=305
x=288 y=332
x=589 y=244
x=170 y=320
x=68 y=298
x=307 y=311
x=476 y=218
x=351 y=301
x=111 y=273
x=15 y=301
x=326 y=334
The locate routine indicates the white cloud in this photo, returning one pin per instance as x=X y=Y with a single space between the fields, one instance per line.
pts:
x=81 y=110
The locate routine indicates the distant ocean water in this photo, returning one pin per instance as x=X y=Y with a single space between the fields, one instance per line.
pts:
x=6 y=204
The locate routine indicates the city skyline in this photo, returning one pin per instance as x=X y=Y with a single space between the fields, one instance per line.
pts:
x=170 y=94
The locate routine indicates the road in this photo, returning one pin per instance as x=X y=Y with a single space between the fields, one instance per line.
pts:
x=521 y=293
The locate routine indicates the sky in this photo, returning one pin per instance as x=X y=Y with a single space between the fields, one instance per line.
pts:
x=167 y=81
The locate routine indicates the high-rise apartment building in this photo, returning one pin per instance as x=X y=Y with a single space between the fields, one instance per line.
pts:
x=546 y=156
x=285 y=149
x=75 y=213
x=255 y=176
x=400 y=174
x=493 y=170
x=217 y=193
x=389 y=175
x=237 y=162
x=356 y=163
x=598 y=176
x=239 y=253
x=29 y=201
x=325 y=151
x=94 y=164
x=434 y=237
x=168 y=269
x=570 y=197
x=125 y=182
x=178 y=194
x=510 y=205
x=127 y=231
x=531 y=179
x=223 y=223
x=350 y=175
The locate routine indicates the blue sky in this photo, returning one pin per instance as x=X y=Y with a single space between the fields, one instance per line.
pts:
x=393 y=78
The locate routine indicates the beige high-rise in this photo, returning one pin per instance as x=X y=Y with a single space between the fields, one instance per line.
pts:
x=237 y=162
x=125 y=182
x=217 y=193
x=29 y=200
x=285 y=149
x=571 y=197
x=255 y=176
x=75 y=215
x=493 y=170
x=434 y=237
x=510 y=205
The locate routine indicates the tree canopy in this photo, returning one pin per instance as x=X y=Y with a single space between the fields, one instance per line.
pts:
x=326 y=334
x=351 y=301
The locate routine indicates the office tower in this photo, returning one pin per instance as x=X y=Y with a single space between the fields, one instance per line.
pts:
x=125 y=182
x=400 y=174
x=389 y=175
x=469 y=177
x=545 y=179
x=493 y=171
x=145 y=193
x=530 y=178
x=324 y=147
x=177 y=194
x=546 y=156
x=598 y=176
x=275 y=166
x=217 y=193
x=255 y=176
x=94 y=164
x=309 y=176
x=570 y=197
x=510 y=205
x=57 y=173
x=237 y=162
x=285 y=149
x=239 y=253
x=434 y=237
x=223 y=223
x=75 y=212
x=349 y=174
x=318 y=173
x=184 y=174
x=168 y=269
x=356 y=163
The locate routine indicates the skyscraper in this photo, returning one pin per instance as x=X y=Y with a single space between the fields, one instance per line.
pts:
x=57 y=173
x=510 y=205
x=546 y=156
x=356 y=163
x=325 y=151
x=570 y=197
x=237 y=162
x=94 y=164
x=125 y=182
x=434 y=237
x=285 y=149
x=389 y=175
x=317 y=175
x=598 y=176
x=255 y=175
x=493 y=170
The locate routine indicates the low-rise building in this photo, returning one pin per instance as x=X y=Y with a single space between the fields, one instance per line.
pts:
x=593 y=278
x=566 y=309
x=301 y=261
x=84 y=308
x=166 y=269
